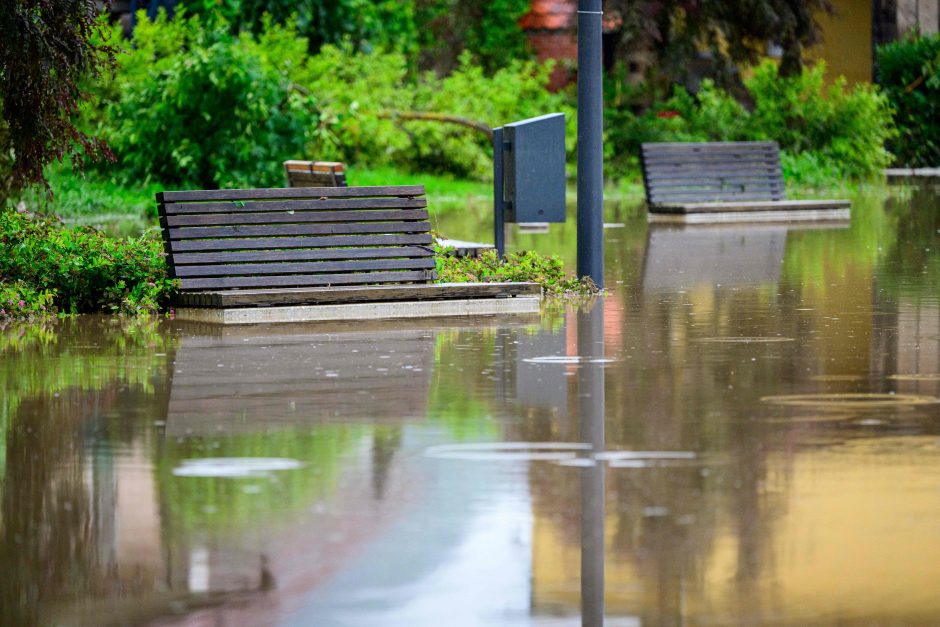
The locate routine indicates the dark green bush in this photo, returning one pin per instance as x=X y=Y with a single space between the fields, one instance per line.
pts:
x=81 y=268
x=909 y=73
x=825 y=134
x=197 y=107
x=526 y=266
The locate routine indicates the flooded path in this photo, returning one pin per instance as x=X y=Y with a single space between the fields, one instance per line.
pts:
x=745 y=430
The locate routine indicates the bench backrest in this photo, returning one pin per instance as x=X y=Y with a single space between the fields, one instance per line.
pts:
x=297 y=237
x=680 y=173
x=315 y=174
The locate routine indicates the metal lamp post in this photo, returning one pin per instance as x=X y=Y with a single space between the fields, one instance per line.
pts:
x=590 y=143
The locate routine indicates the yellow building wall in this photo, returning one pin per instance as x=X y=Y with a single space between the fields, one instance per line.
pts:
x=847 y=46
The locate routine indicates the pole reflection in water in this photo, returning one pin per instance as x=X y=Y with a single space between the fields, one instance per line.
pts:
x=591 y=412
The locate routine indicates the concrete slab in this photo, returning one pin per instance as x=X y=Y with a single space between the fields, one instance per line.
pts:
x=751 y=216
x=363 y=311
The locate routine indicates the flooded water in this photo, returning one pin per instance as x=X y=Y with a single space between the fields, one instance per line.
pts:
x=745 y=430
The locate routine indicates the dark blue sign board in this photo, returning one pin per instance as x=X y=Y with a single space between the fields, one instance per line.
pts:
x=529 y=172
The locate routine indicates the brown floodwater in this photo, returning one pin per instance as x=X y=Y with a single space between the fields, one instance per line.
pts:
x=744 y=430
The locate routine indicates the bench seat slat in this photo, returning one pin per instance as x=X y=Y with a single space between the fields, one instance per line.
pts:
x=291 y=192
x=300 y=254
x=298 y=242
x=220 y=219
x=349 y=228
x=356 y=265
x=317 y=204
x=298 y=280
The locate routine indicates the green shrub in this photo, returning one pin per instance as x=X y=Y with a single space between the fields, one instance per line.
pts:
x=197 y=107
x=360 y=96
x=824 y=133
x=909 y=73
x=19 y=301
x=82 y=269
x=847 y=128
x=526 y=266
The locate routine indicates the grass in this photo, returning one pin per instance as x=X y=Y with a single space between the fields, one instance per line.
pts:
x=96 y=200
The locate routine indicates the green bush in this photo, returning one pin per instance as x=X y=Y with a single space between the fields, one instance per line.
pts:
x=197 y=107
x=363 y=97
x=19 y=301
x=81 y=268
x=909 y=73
x=845 y=128
x=825 y=134
x=525 y=266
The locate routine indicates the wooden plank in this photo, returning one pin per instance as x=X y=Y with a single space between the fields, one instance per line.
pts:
x=710 y=145
x=295 y=254
x=724 y=207
x=290 y=192
x=377 y=293
x=299 y=242
x=297 y=229
x=298 y=280
x=692 y=173
x=297 y=216
x=295 y=205
x=253 y=269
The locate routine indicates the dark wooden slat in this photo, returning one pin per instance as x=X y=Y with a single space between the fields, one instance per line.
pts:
x=707 y=145
x=714 y=197
x=691 y=173
x=297 y=229
x=359 y=265
x=295 y=205
x=297 y=216
x=317 y=254
x=290 y=192
x=379 y=293
x=712 y=161
x=305 y=280
x=298 y=242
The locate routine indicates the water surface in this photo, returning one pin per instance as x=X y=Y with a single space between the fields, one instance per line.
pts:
x=745 y=430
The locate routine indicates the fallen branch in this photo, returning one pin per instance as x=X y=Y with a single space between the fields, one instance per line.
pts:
x=437 y=117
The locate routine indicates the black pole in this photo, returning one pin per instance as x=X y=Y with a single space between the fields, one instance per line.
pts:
x=590 y=143
x=499 y=206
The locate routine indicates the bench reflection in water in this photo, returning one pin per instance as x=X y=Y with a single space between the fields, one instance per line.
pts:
x=243 y=379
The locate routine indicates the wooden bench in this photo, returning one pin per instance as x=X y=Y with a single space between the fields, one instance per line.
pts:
x=315 y=173
x=295 y=251
x=724 y=182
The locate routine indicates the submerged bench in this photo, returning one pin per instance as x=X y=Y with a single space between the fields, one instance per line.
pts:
x=324 y=253
x=724 y=182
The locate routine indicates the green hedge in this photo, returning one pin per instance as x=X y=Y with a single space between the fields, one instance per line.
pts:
x=77 y=270
x=826 y=133
x=909 y=73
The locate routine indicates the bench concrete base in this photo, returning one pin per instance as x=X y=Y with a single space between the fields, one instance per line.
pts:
x=363 y=311
x=752 y=216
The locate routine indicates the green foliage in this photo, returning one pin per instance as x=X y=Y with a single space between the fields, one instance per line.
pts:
x=525 y=266
x=19 y=301
x=488 y=31
x=198 y=107
x=847 y=128
x=83 y=269
x=363 y=99
x=824 y=133
x=909 y=73
x=366 y=24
